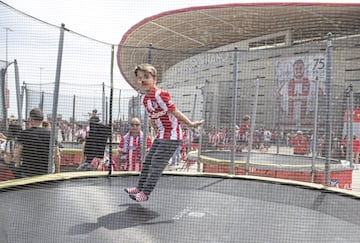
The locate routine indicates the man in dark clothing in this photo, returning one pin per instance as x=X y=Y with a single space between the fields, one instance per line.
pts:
x=95 y=143
x=32 y=149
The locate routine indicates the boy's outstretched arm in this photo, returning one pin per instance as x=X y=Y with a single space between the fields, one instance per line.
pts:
x=179 y=115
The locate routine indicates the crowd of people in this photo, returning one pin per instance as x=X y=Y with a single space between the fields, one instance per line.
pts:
x=26 y=152
x=167 y=138
x=301 y=142
x=129 y=139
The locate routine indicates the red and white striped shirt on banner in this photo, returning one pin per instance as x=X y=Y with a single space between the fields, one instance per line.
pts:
x=159 y=106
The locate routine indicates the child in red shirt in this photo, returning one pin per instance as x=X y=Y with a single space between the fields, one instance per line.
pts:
x=166 y=119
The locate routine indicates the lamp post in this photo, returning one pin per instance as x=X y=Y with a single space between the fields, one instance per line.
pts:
x=41 y=68
x=7 y=29
x=41 y=96
x=4 y=124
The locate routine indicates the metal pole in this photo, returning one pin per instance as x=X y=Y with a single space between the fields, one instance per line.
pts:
x=18 y=95
x=277 y=113
x=150 y=54
x=192 y=118
x=7 y=29
x=103 y=103
x=26 y=101
x=3 y=100
x=119 y=108
x=314 y=145
x=4 y=95
x=106 y=111
x=22 y=94
x=41 y=103
x=146 y=117
x=328 y=136
x=347 y=133
x=234 y=111
x=252 y=128
x=133 y=114
x=350 y=138
x=55 y=99
x=73 y=122
x=205 y=94
x=110 y=108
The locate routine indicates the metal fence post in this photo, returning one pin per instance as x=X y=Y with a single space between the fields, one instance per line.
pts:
x=328 y=127
x=18 y=95
x=234 y=111
x=55 y=99
x=110 y=109
x=146 y=117
x=351 y=129
x=204 y=91
x=73 y=121
x=252 y=128
x=315 y=132
x=103 y=104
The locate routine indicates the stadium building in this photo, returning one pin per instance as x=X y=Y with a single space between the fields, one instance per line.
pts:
x=220 y=60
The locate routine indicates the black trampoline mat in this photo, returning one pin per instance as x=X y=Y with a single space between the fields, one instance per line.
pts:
x=180 y=209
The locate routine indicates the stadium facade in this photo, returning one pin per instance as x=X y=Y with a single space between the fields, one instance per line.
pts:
x=195 y=51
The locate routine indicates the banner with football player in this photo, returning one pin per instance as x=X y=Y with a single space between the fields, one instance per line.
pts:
x=295 y=87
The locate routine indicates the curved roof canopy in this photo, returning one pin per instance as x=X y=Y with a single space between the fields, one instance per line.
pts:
x=179 y=34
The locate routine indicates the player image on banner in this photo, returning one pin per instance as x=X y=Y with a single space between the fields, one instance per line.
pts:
x=295 y=84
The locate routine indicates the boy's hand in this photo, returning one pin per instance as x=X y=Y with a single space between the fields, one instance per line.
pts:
x=197 y=123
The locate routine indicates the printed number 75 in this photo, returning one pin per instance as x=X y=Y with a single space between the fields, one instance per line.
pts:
x=319 y=63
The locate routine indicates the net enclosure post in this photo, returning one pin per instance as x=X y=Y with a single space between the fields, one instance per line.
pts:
x=234 y=110
x=55 y=99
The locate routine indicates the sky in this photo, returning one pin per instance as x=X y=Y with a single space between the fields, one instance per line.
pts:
x=106 y=21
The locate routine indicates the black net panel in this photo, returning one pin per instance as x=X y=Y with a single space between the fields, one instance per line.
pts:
x=277 y=86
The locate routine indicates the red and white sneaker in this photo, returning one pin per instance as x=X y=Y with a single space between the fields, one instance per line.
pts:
x=139 y=197
x=132 y=190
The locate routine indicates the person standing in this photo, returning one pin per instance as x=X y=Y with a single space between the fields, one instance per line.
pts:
x=6 y=166
x=176 y=158
x=31 y=152
x=300 y=143
x=356 y=151
x=94 y=116
x=166 y=119
x=57 y=153
x=131 y=145
x=267 y=139
x=243 y=133
x=95 y=143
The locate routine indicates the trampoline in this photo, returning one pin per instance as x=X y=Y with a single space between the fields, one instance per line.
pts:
x=283 y=166
x=182 y=208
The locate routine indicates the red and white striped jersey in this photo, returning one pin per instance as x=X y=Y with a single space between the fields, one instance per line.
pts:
x=130 y=150
x=159 y=107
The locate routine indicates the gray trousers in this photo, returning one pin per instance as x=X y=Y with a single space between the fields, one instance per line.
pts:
x=155 y=162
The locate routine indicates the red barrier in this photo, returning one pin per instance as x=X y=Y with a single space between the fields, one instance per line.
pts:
x=185 y=148
x=6 y=174
x=341 y=178
x=71 y=159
